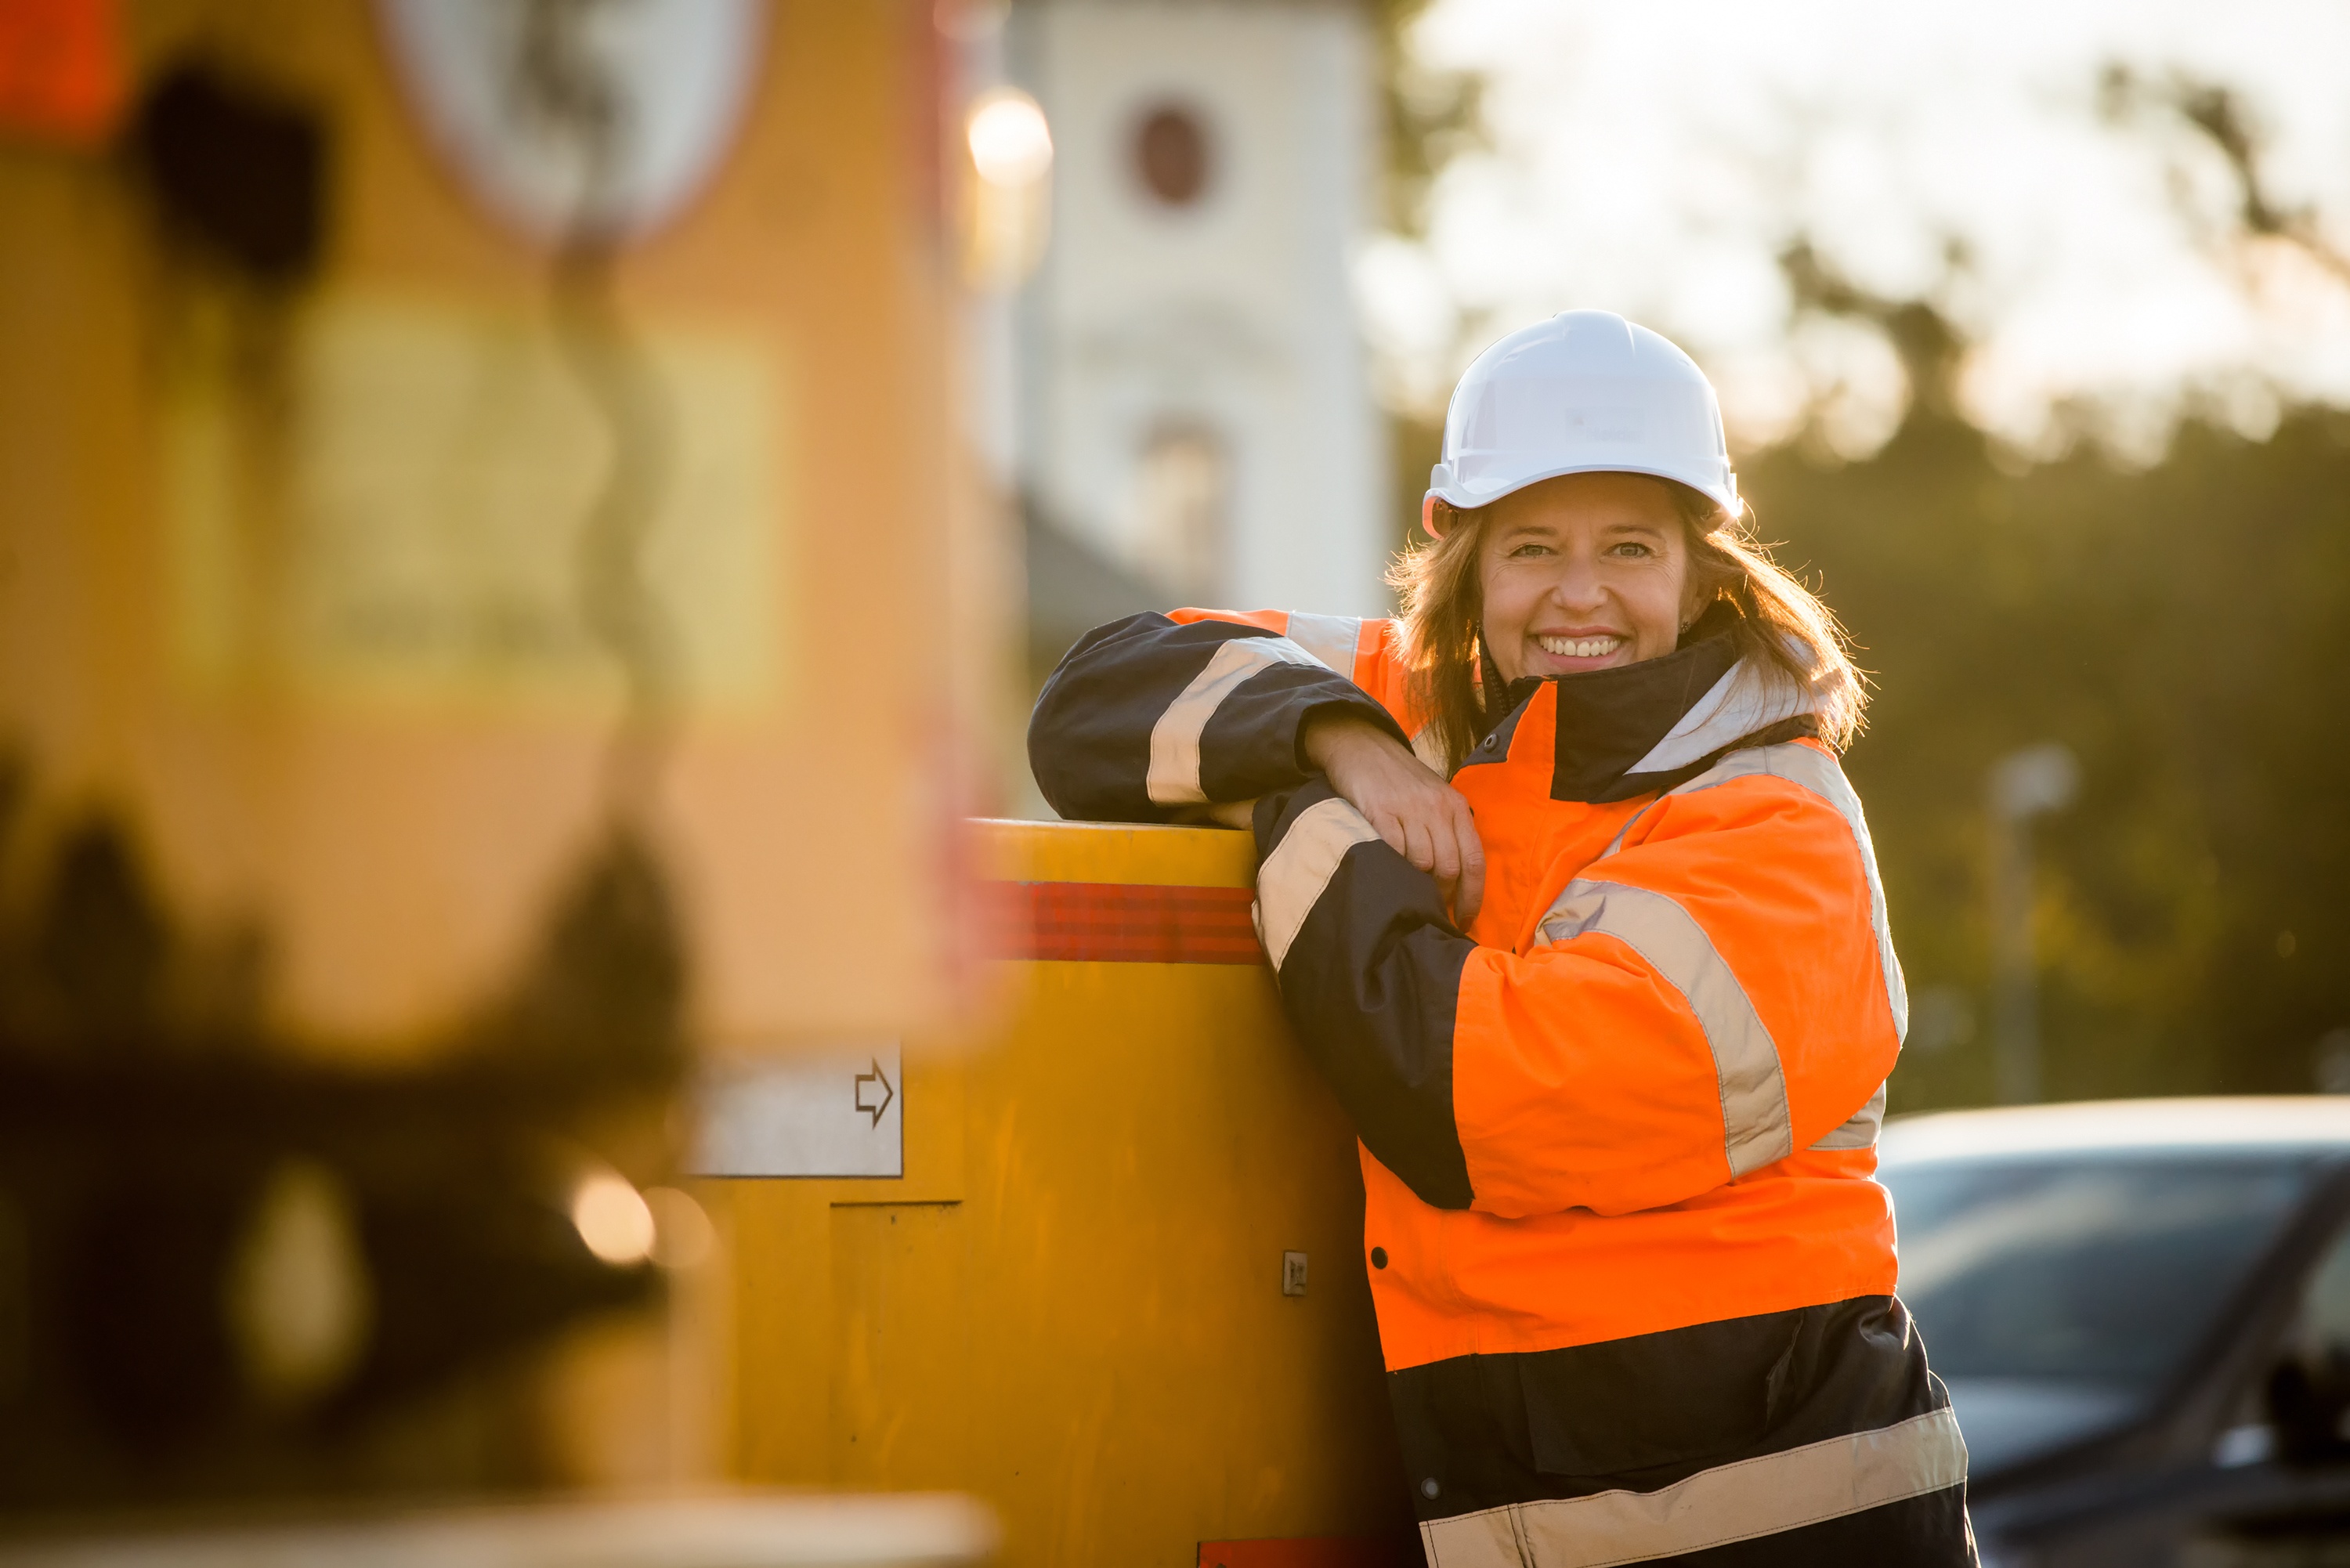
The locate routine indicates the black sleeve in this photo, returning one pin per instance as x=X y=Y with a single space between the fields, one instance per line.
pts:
x=1145 y=717
x=1369 y=965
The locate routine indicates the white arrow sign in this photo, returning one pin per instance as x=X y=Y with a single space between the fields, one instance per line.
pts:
x=832 y=1111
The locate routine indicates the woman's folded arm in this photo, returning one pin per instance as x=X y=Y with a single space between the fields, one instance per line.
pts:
x=1152 y=715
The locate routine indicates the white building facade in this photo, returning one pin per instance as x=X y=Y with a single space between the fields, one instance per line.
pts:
x=1192 y=397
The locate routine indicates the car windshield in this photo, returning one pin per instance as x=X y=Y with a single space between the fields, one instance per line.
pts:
x=2056 y=1294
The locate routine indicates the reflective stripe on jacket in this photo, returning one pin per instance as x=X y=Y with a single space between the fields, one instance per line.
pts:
x=1627 y=1120
x=1153 y=715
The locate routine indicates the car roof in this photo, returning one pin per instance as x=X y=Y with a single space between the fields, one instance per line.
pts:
x=2217 y=1123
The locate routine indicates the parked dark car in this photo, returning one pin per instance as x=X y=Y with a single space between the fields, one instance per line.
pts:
x=2142 y=1309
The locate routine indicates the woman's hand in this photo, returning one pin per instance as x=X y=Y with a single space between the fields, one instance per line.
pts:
x=1422 y=818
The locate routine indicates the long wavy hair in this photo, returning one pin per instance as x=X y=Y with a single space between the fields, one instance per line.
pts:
x=1784 y=634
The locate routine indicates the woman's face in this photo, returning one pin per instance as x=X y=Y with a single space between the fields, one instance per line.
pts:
x=1586 y=571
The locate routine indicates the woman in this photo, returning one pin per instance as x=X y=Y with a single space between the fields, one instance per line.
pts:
x=1612 y=1010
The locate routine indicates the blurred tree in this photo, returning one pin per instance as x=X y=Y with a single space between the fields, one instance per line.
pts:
x=2220 y=119
x=2186 y=630
x=1427 y=117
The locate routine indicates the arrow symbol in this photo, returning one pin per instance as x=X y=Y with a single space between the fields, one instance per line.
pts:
x=887 y=1093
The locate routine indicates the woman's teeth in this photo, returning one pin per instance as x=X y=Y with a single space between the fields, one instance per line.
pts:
x=1580 y=647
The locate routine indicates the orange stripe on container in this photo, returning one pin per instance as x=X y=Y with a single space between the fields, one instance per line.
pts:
x=1312 y=1551
x=1117 y=922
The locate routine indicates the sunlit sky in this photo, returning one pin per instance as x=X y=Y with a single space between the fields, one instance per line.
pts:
x=1655 y=159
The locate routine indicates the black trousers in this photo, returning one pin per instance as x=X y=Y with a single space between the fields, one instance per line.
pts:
x=1805 y=1437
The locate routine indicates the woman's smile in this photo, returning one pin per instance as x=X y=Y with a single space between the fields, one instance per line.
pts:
x=1582 y=647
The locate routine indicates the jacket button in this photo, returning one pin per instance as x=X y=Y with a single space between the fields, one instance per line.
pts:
x=1378 y=1257
x=1429 y=1486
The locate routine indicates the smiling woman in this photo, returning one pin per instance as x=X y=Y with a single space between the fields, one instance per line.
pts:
x=1568 y=898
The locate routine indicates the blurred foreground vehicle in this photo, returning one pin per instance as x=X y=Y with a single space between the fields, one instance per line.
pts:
x=2142 y=1309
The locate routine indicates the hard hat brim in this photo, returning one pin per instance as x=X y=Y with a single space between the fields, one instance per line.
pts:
x=1467 y=498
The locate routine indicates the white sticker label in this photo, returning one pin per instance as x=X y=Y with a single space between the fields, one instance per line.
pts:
x=834 y=1111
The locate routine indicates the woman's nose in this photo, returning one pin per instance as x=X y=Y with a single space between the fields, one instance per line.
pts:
x=1577 y=585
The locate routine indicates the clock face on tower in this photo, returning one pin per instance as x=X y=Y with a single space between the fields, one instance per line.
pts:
x=573 y=118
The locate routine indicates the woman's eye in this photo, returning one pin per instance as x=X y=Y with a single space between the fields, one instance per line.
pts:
x=1527 y=551
x=1631 y=548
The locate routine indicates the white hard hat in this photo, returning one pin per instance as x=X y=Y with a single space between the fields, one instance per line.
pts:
x=1583 y=392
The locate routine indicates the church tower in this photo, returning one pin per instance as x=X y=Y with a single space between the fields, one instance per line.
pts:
x=1193 y=404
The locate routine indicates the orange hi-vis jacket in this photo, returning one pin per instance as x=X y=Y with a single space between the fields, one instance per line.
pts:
x=1619 y=1134
x=1670 y=1051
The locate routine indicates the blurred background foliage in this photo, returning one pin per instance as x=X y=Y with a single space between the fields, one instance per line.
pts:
x=2186 y=630
x=2181 y=624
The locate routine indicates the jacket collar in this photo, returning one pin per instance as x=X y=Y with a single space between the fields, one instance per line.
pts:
x=1611 y=734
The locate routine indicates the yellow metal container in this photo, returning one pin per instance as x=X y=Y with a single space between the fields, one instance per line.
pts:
x=1071 y=1302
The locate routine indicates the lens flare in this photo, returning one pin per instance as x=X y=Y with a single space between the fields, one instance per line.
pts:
x=613 y=1221
x=1009 y=142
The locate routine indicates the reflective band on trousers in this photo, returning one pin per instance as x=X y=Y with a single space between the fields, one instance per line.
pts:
x=1175 y=739
x=1756 y=1128
x=1300 y=866
x=1761 y=1496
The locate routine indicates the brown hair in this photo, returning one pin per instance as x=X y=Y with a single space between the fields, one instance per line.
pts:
x=1784 y=631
